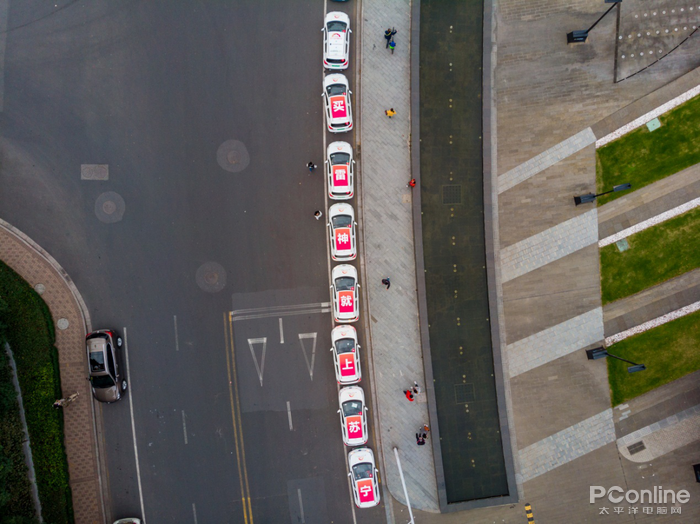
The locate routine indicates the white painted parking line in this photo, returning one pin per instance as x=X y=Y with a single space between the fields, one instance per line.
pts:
x=177 y=342
x=184 y=426
x=133 y=426
x=309 y=365
x=260 y=367
x=194 y=513
x=301 y=507
x=281 y=332
x=289 y=416
x=280 y=311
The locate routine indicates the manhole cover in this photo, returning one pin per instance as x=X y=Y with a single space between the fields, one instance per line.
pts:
x=233 y=156
x=62 y=323
x=451 y=195
x=636 y=447
x=211 y=277
x=94 y=172
x=40 y=288
x=464 y=393
x=622 y=245
x=110 y=207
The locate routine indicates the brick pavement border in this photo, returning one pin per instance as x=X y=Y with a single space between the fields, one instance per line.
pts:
x=30 y=246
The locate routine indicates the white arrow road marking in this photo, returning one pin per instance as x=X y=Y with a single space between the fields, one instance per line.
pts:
x=261 y=366
x=310 y=366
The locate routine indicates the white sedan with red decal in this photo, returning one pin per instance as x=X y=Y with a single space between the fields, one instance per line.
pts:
x=346 y=355
x=340 y=167
x=346 y=293
x=341 y=223
x=336 y=40
x=336 y=93
x=363 y=474
x=353 y=416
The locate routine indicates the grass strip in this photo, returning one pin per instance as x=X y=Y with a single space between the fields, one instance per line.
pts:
x=30 y=332
x=655 y=255
x=643 y=157
x=669 y=352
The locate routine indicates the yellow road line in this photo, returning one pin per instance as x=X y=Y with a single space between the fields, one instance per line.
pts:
x=236 y=419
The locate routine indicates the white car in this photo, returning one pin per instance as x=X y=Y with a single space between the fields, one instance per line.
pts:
x=353 y=415
x=363 y=474
x=346 y=293
x=336 y=93
x=336 y=40
x=340 y=170
x=342 y=226
x=346 y=355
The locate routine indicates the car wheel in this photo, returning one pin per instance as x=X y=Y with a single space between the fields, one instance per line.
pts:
x=119 y=342
x=124 y=385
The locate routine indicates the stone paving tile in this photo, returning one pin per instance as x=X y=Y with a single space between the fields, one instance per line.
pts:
x=555 y=342
x=549 y=245
x=388 y=231
x=545 y=159
x=652 y=303
x=668 y=422
x=567 y=445
x=649 y=201
x=24 y=257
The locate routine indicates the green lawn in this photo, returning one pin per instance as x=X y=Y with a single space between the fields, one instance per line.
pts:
x=28 y=328
x=642 y=157
x=655 y=255
x=669 y=352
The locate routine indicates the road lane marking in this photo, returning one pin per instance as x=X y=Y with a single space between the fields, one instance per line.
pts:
x=177 y=341
x=236 y=419
x=289 y=416
x=184 y=426
x=260 y=367
x=194 y=512
x=301 y=507
x=281 y=331
x=133 y=426
x=309 y=366
x=280 y=311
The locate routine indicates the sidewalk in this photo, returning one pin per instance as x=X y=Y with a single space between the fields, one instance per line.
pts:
x=389 y=252
x=53 y=284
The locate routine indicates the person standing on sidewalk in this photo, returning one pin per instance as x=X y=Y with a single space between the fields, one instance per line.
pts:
x=311 y=167
x=416 y=388
x=387 y=282
x=411 y=183
x=390 y=112
x=409 y=395
x=420 y=439
x=392 y=46
x=318 y=214
x=62 y=402
x=388 y=34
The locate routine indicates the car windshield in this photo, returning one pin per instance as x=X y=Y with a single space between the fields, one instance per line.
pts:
x=352 y=407
x=345 y=283
x=341 y=221
x=102 y=381
x=340 y=158
x=335 y=89
x=344 y=345
x=363 y=471
x=334 y=25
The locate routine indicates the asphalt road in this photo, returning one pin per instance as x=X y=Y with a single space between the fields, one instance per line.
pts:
x=206 y=114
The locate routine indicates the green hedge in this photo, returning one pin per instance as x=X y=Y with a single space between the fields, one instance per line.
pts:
x=30 y=332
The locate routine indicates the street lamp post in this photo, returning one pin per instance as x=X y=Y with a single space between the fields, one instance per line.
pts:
x=580 y=37
x=590 y=197
x=601 y=352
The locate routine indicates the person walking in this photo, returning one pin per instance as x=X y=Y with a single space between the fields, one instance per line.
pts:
x=387 y=282
x=420 y=439
x=411 y=183
x=318 y=214
x=62 y=402
x=409 y=395
x=416 y=388
x=388 y=34
x=311 y=167
x=392 y=46
x=390 y=112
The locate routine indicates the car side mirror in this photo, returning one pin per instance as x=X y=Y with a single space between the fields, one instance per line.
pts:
x=338 y=411
x=349 y=474
x=330 y=349
x=366 y=408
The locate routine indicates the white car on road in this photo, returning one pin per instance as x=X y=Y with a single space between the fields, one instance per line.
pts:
x=336 y=94
x=346 y=355
x=353 y=415
x=336 y=40
x=346 y=293
x=342 y=226
x=340 y=171
x=363 y=474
